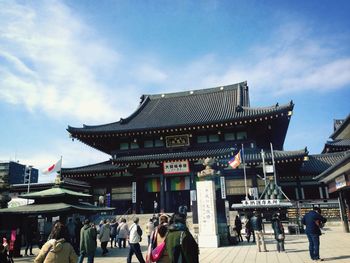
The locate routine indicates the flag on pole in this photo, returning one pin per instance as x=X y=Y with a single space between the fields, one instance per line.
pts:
x=53 y=168
x=235 y=161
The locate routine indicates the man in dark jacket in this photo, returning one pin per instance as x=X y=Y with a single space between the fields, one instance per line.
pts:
x=313 y=222
x=88 y=235
x=256 y=223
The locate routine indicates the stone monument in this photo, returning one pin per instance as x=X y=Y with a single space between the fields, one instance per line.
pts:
x=206 y=201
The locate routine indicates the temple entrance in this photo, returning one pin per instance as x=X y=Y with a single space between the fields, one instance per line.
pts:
x=174 y=199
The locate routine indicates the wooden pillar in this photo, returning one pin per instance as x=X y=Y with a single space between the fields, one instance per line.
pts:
x=162 y=193
x=344 y=216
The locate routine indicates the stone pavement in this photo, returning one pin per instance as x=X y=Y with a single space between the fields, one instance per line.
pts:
x=335 y=247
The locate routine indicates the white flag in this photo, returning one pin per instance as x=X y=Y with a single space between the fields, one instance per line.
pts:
x=53 y=168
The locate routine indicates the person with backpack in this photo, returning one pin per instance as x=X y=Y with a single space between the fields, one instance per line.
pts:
x=135 y=238
x=180 y=244
x=156 y=249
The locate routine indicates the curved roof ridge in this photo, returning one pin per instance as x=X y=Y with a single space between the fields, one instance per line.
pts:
x=197 y=91
x=276 y=106
x=328 y=154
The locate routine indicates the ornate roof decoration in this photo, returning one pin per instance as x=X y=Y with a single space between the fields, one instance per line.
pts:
x=318 y=163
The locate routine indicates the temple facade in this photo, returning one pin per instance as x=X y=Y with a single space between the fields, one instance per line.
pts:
x=157 y=152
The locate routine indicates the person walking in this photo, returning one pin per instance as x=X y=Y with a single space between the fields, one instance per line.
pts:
x=314 y=221
x=123 y=232
x=278 y=231
x=180 y=244
x=77 y=229
x=256 y=223
x=114 y=225
x=29 y=235
x=57 y=249
x=248 y=228
x=157 y=237
x=149 y=230
x=71 y=231
x=238 y=226
x=155 y=207
x=134 y=241
x=104 y=235
x=88 y=235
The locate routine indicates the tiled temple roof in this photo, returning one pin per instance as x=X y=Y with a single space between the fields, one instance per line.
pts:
x=339 y=143
x=98 y=169
x=343 y=126
x=197 y=107
x=336 y=146
x=330 y=173
x=318 y=163
x=222 y=155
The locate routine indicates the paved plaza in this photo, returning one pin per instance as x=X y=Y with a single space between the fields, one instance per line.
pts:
x=335 y=247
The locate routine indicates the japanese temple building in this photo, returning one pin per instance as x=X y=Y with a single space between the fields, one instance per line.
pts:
x=337 y=176
x=158 y=150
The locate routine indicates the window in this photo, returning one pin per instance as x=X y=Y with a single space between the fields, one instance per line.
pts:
x=241 y=135
x=202 y=139
x=214 y=138
x=148 y=144
x=124 y=146
x=230 y=136
x=134 y=145
x=158 y=143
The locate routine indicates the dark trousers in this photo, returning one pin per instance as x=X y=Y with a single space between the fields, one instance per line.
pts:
x=29 y=245
x=239 y=235
x=280 y=245
x=90 y=259
x=104 y=247
x=135 y=248
x=314 y=246
x=120 y=242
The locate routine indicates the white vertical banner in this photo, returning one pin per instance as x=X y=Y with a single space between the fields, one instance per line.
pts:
x=223 y=187
x=133 y=192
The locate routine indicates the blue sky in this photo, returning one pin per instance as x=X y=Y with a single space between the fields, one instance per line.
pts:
x=88 y=62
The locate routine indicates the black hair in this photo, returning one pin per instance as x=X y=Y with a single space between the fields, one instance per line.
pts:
x=178 y=218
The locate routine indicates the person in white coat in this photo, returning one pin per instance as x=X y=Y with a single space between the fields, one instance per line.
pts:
x=134 y=241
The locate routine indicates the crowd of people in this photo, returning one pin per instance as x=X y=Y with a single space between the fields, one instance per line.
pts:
x=168 y=238
x=72 y=242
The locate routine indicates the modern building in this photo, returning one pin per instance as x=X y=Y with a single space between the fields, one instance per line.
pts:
x=14 y=173
x=17 y=173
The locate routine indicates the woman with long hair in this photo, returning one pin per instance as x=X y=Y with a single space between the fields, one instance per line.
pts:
x=57 y=249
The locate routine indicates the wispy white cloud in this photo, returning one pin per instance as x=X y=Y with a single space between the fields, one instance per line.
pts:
x=50 y=62
x=291 y=61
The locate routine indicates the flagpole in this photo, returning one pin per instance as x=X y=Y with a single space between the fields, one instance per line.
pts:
x=61 y=169
x=264 y=167
x=273 y=164
x=245 y=174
